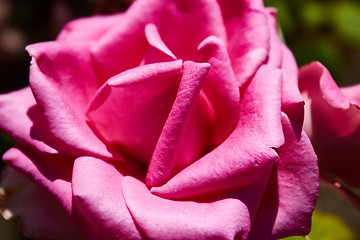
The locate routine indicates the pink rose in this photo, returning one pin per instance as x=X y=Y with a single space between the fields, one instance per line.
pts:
x=332 y=121
x=173 y=120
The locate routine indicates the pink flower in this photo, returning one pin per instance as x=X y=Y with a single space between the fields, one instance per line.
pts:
x=332 y=121
x=173 y=120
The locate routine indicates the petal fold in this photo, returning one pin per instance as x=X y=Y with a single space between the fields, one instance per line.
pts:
x=292 y=190
x=158 y=51
x=246 y=154
x=185 y=134
x=244 y=22
x=220 y=87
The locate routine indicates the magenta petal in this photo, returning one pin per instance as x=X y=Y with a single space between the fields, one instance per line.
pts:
x=182 y=25
x=129 y=111
x=88 y=29
x=290 y=198
x=352 y=93
x=67 y=69
x=220 y=87
x=291 y=101
x=40 y=214
x=63 y=106
x=21 y=119
x=332 y=121
x=246 y=153
x=174 y=136
x=158 y=51
x=275 y=54
x=260 y=112
x=159 y=218
x=98 y=196
x=244 y=22
x=51 y=172
x=281 y=57
x=236 y=162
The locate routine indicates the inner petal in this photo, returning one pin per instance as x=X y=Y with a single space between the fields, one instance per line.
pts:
x=186 y=133
x=220 y=87
x=130 y=109
x=158 y=51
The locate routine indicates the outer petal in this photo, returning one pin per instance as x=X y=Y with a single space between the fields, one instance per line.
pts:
x=245 y=154
x=62 y=84
x=245 y=21
x=227 y=216
x=51 y=172
x=88 y=29
x=260 y=112
x=281 y=57
x=22 y=120
x=352 y=93
x=291 y=101
x=40 y=214
x=98 y=197
x=130 y=110
x=290 y=198
x=186 y=133
x=332 y=121
x=67 y=68
x=183 y=25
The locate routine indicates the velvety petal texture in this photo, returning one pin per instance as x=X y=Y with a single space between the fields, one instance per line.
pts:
x=177 y=119
x=332 y=121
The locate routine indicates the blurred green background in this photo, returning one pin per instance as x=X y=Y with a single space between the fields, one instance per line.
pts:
x=323 y=30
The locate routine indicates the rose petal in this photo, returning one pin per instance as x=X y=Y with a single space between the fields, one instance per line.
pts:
x=158 y=51
x=291 y=101
x=183 y=25
x=98 y=196
x=290 y=198
x=135 y=127
x=51 y=172
x=225 y=217
x=62 y=86
x=275 y=54
x=68 y=69
x=260 y=112
x=220 y=87
x=41 y=216
x=237 y=162
x=281 y=57
x=244 y=22
x=332 y=122
x=88 y=29
x=184 y=135
x=246 y=154
x=352 y=93
x=22 y=120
